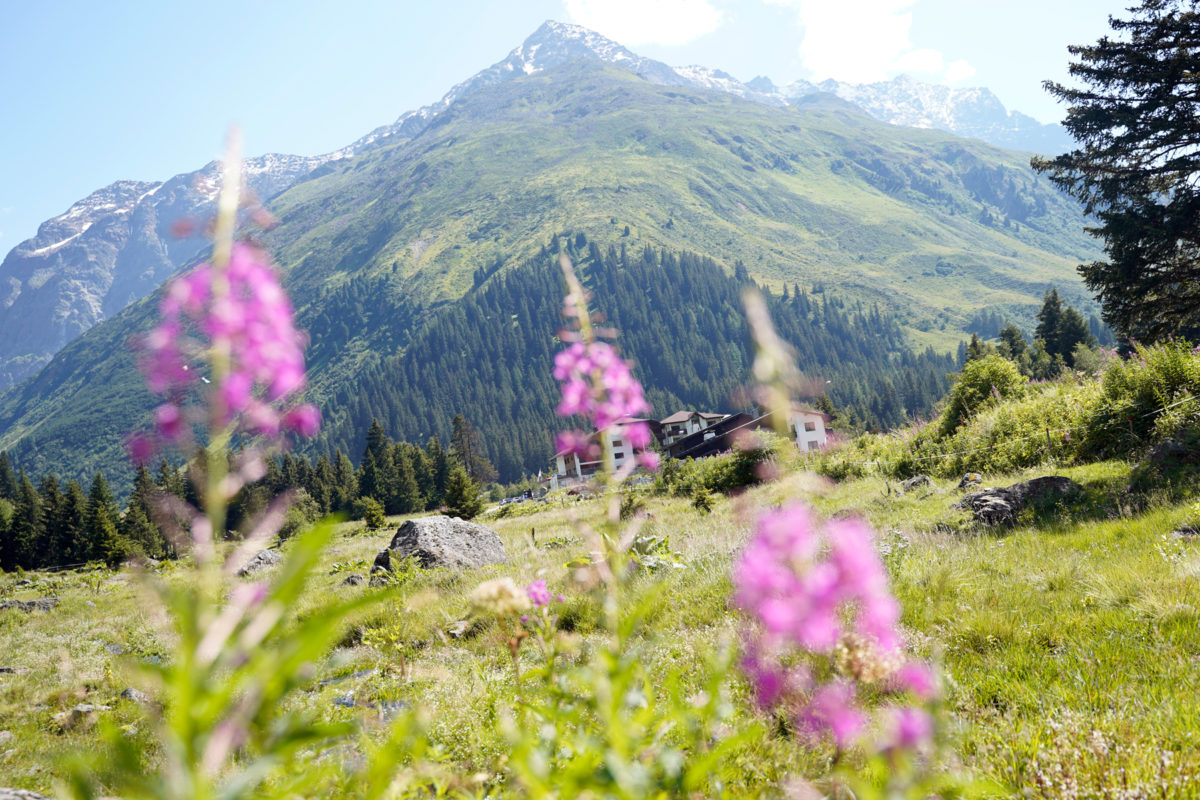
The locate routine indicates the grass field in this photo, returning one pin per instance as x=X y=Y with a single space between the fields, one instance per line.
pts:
x=1069 y=643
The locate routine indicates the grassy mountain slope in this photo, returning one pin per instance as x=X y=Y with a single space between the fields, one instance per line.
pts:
x=819 y=195
x=931 y=226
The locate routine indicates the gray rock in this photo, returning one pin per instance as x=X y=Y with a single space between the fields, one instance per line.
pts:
x=970 y=479
x=262 y=560
x=40 y=604
x=1001 y=506
x=1169 y=452
x=136 y=696
x=354 y=580
x=20 y=794
x=5 y=737
x=915 y=482
x=444 y=542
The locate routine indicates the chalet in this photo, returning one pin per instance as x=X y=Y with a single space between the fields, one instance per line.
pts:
x=571 y=468
x=686 y=423
x=716 y=437
x=809 y=428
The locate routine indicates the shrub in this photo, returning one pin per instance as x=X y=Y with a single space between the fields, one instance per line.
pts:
x=372 y=513
x=304 y=512
x=982 y=384
x=1144 y=401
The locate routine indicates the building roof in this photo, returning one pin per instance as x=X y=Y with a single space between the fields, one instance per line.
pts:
x=680 y=416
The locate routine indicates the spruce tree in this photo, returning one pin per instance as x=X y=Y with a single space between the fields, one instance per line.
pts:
x=48 y=548
x=77 y=547
x=1134 y=113
x=462 y=495
x=100 y=524
x=468 y=451
x=24 y=530
x=9 y=486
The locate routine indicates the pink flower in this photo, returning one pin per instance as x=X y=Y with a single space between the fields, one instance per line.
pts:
x=169 y=421
x=908 y=728
x=599 y=385
x=648 y=459
x=569 y=442
x=304 y=419
x=916 y=677
x=539 y=595
x=833 y=712
x=250 y=318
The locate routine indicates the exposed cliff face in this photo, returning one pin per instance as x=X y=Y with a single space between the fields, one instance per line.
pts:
x=115 y=246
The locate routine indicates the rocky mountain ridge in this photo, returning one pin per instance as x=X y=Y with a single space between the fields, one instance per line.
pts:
x=119 y=243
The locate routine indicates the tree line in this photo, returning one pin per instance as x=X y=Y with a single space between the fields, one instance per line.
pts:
x=680 y=320
x=49 y=524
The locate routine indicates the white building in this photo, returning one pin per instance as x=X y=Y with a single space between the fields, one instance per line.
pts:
x=809 y=428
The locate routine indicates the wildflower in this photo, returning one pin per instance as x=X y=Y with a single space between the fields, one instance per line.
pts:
x=243 y=313
x=821 y=591
x=908 y=728
x=539 y=595
x=501 y=597
x=833 y=710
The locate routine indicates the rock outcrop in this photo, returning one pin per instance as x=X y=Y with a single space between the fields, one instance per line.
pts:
x=1001 y=506
x=443 y=542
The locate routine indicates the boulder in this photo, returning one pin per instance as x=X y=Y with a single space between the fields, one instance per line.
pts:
x=262 y=560
x=136 y=695
x=354 y=579
x=1001 y=506
x=40 y=604
x=915 y=482
x=443 y=542
x=970 y=479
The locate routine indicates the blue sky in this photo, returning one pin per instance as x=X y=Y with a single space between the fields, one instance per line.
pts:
x=93 y=92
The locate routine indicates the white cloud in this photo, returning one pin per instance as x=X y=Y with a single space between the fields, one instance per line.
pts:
x=634 y=22
x=861 y=41
x=958 y=71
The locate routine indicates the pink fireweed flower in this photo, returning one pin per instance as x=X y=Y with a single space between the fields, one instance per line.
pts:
x=539 y=595
x=598 y=385
x=908 y=728
x=251 y=320
x=820 y=592
x=833 y=711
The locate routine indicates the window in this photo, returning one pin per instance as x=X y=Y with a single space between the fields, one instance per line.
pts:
x=617 y=443
x=810 y=426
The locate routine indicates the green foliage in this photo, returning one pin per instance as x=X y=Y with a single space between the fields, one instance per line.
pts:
x=372 y=513
x=302 y=512
x=983 y=383
x=1144 y=400
x=230 y=695
x=1133 y=115
x=462 y=495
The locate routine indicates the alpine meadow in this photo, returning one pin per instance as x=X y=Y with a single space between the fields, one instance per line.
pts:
x=608 y=429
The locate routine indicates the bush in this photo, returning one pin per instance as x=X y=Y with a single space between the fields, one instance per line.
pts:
x=1143 y=401
x=303 y=512
x=372 y=513
x=983 y=383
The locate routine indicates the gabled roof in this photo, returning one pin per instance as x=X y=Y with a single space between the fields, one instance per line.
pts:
x=681 y=416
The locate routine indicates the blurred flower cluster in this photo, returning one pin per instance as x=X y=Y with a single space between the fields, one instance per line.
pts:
x=240 y=316
x=825 y=624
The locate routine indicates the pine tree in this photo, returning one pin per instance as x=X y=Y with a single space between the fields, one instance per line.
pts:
x=100 y=524
x=468 y=451
x=48 y=548
x=77 y=548
x=462 y=495
x=9 y=486
x=24 y=530
x=1134 y=112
